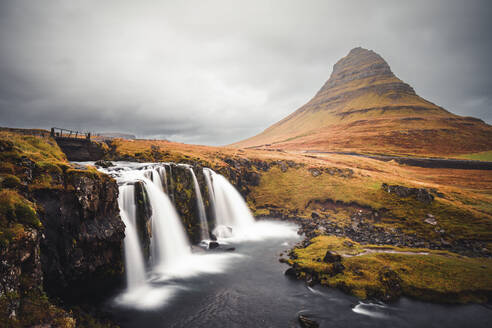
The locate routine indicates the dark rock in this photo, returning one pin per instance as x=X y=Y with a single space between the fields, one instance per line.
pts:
x=143 y=215
x=81 y=149
x=291 y=273
x=20 y=270
x=283 y=166
x=331 y=257
x=230 y=249
x=213 y=244
x=391 y=282
x=347 y=243
x=252 y=178
x=103 y=163
x=421 y=194
x=183 y=190
x=337 y=268
x=81 y=254
x=213 y=237
x=307 y=323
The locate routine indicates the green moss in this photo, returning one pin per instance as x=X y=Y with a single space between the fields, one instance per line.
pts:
x=293 y=192
x=15 y=212
x=36 y=309
x=10 y=181
x=481 y=156
x=434 y=276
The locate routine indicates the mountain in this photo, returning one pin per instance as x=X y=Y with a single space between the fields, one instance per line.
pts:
x=364 y=107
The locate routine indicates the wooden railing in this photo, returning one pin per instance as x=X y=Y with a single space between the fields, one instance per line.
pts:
x=65 y=133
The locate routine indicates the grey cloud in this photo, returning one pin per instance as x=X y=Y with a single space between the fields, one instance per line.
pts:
x=216 y=72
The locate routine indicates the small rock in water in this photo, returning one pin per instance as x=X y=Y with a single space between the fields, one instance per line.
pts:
x=103 y=163
x=230 y=249
x=213 y=237
x=291 y=273
x=213 y=244
x=307 y=323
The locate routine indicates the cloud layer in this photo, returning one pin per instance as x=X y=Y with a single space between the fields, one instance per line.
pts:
x=215 y=72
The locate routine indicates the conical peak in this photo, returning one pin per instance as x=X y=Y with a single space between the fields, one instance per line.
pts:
x=359 y=64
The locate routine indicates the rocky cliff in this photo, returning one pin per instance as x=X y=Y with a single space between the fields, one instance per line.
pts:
x=60 y=233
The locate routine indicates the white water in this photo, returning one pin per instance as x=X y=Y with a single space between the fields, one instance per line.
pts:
x=157 y=179
x=232 y=215
x=371 y=310
x=171 y=255
x=205 y=235
x=208 y=179
x=134 y=263
x=169 y=244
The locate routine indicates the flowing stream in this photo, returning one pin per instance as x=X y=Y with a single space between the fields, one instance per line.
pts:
x=241 y=283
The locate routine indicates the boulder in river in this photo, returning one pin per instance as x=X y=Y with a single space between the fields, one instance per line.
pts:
x=103 y=163
x=291 y=273
x=305 y=322
x=213 y=244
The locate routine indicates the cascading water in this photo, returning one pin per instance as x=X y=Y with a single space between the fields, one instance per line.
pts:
x=134 y=263
x=205 y=235
x=171 y=254
x=157 y=179
x=208 y=179
x=232 y=215
x=169 y=244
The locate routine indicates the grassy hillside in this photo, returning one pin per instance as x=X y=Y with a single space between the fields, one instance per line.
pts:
x=338 y=191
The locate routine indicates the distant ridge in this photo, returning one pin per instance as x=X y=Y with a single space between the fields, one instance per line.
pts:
x=364 y=107
x=113 y=135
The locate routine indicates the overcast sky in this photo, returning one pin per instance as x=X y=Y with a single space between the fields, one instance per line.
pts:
x=215 y=72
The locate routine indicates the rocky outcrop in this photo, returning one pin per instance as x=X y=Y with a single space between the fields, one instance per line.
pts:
x=182 y=192
x=421 y=194
x=82 y=149
x=81 y=253
x=60 y=234
x=20 y=271
x=143 y=215
x=305 y=322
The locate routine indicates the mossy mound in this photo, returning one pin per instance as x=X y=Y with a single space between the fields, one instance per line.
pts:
x=387 y=272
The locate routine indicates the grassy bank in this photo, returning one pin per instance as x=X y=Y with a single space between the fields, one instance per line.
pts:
x=375 y=271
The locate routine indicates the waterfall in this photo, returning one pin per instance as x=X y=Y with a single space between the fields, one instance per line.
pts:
x=162 y=172
x=205 y=235
x=232 y=215
x=157 y=179
x=134 y=263
x=169 y=243
x=208 y=179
